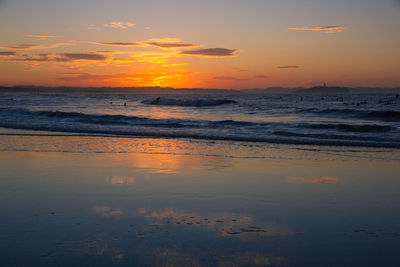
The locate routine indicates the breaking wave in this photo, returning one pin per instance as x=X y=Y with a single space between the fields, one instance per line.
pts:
x=332 y=134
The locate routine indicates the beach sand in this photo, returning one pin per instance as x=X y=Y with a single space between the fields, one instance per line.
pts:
x=101 y=201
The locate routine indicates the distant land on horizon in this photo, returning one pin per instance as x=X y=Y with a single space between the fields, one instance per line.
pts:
x=170 y=90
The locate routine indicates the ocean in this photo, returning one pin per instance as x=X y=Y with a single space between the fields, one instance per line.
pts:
x=348 y=120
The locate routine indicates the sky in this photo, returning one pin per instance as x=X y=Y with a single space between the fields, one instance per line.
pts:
x=236 y=44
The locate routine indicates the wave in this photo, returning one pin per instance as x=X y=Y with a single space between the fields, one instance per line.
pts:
x=363 y=128
x=365 y=135
x=384 y=115
x=163 y=101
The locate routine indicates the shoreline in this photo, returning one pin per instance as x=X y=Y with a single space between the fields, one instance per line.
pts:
x=77 y=143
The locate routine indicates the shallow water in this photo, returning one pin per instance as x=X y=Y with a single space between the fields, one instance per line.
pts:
x=161 y=202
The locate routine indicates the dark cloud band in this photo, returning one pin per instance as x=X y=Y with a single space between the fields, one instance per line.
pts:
x=210 y=52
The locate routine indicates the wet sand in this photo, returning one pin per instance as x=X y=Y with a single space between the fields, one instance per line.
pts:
x=293 y=207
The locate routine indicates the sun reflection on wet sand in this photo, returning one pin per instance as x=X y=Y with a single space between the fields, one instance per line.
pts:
x=107 y=212
x=115 y=180
x=313 y=180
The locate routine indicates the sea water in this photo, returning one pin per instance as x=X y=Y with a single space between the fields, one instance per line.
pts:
x=350 y=120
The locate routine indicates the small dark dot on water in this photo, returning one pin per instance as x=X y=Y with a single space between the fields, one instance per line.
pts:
x=234 y=233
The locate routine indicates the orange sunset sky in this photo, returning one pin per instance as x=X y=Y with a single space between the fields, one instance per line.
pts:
x=209 y=44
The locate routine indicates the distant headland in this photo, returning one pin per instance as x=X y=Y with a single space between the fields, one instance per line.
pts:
x=324 y=90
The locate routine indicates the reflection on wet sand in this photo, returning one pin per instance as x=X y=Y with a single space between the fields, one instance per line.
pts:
x=313 y=180
x=224 y=224
x=111 y=248
x=107 y=212
x=120 y=180
x=139 y=230
x=174 y=258
x=103 y=245
x=175 y=164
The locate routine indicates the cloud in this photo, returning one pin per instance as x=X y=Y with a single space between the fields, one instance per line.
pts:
x=119 y=25
x=119 y=44
x=33 y=46
x=230 y=78
x=170 y=45
x=7 y=53
x=106 y=52
x=63 y=57
x=40 y=37
x=83 y=56
x=166 y=43
x=313 y=180
x=210 y=52
x=20 y=46
x=93 y=77
x=328 y=29
x=288 y=67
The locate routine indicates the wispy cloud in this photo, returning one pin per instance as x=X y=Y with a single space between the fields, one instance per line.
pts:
x=231 y=78
x=33 y=46
x=170 y=45
x=40 y=37
x=210 y=52
x=7 y=53
x=165 y=43
x=83 y=56
x=93 y=77
x=57 y=57
x=119 y=44
x=328 y=29
x=119 y=25
x=288 y=67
